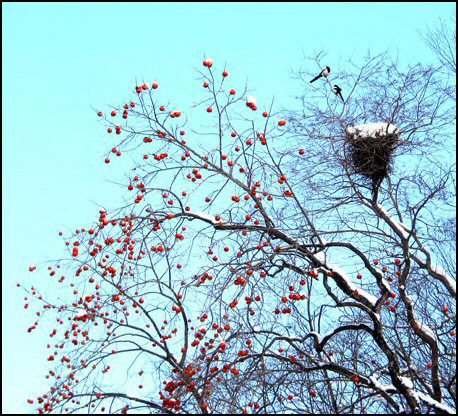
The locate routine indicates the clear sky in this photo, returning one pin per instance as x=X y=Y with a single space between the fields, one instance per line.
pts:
x=59 y=60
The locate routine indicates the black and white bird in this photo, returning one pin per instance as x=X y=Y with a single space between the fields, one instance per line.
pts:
x=324 y=73
x=338 y=92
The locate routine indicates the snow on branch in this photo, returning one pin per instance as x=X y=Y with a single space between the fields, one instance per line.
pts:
x=434 y=403
x=398 y=228
x=403 y=231
x=383 y=387
x=438 y=273
x=370 y=299
x=205 y=217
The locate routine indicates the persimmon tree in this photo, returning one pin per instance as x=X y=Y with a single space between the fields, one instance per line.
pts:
x=250 y=269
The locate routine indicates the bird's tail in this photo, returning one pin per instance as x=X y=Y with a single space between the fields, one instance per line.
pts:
x=314 y=79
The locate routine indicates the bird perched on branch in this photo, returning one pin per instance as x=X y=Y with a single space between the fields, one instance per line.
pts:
x=324 y=73
x=338 y=92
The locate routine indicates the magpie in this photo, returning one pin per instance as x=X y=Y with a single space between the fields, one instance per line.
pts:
x=338 y=91
x=324 y=73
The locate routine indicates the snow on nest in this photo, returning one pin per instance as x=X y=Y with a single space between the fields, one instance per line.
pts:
x=371 y=129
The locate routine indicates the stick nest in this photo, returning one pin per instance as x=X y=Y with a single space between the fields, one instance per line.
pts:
x=371 y=153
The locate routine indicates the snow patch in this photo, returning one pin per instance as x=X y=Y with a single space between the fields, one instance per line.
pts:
x=439 y=270
x=370 y=298
x=434 y=403
x=318 y=336
x=428 y=331
x=378 y=385
x=407 y=382
x=400 y=228
x=371 y=129
x=320 y=257
x=207 y=217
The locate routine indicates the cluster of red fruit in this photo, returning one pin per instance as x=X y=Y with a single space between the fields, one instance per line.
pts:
x=251 y=103
x=144 y=87
x=208 y=63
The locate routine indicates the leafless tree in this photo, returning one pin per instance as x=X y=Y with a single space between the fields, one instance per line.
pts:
x=442 y=41
x=252 y=270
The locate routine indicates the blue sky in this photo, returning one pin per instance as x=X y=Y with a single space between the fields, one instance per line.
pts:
x=59 y=60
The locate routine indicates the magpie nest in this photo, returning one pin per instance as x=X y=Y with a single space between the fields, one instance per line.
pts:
x=370 y=150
